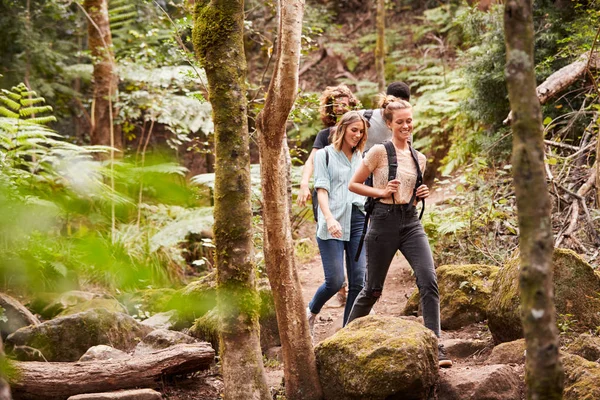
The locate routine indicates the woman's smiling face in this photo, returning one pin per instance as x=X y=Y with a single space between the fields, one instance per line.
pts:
x=402 y=123
x=354 y=132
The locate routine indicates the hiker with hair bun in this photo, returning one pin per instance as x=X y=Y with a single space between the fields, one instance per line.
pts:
x=395 y=223
x=341 y=214
x=378 y=129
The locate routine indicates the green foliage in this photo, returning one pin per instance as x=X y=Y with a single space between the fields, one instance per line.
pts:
x=478 y=224
x=22 y=103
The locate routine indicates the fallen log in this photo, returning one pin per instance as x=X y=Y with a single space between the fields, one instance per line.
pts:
x=59 y=380
x=563 y=78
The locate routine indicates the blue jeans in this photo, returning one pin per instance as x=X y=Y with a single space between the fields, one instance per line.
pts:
x=333 y=253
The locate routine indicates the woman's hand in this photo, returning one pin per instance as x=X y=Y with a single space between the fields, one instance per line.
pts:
x=390 y=189
x=423 y=192
x=334 y=228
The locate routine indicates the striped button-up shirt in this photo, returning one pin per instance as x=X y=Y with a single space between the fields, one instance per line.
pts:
x=335 y=177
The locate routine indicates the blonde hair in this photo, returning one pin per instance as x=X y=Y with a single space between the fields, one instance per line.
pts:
x=390 y=104
x=328 y=97
x=337 y=134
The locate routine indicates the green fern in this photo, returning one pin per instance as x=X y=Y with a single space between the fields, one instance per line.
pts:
x=22 y=103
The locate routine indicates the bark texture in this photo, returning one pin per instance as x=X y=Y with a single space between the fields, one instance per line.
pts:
x=105 y=76
x=544 y=374
x=300 y=372
x=59 y=380
x=380 y=46
x=218 y=40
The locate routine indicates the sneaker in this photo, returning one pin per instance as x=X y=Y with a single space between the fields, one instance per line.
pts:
x=444 y=361
x=311 y=320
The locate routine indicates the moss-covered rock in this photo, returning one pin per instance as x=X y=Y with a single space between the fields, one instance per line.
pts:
x=576 y=289
x=269 y=330
x=162 y=339
x=17 y=316
x=49 y=305
x=464 y=294
x=582 y=378
x=377 y=357
x=508 y=353
x=110 y=305
x=68 y=338
x=206 y=328
x=586 y=346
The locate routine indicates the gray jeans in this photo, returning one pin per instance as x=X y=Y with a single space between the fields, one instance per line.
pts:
x=393 y=228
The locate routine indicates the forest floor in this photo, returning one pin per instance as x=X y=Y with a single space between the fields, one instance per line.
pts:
x=399 y=285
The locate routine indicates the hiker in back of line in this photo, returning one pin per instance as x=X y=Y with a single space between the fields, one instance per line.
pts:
x=333 y=103
x=341 y=214
x=395 y=224
x=379 y=132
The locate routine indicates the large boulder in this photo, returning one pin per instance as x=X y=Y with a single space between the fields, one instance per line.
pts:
x=575 y=296
x=486 y=382
x=161 y=339
x=464 y=294
x=582 y=378
x=49 y=305
x=508 y=353
x=586 y=346
x=376 y=358
x=206 y=327
x=68 y=338
x=17 y=316
x=111 y=305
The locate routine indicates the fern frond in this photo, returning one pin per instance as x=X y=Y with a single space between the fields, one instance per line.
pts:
x=29 y=93
x=43 y=120
x=31 y=102
x=26 y=112
x=123 y=17
x=120 y=9
x=13 y=105
x=8 y=113
x=10 y=94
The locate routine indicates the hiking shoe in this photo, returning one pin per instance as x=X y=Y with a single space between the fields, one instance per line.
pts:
x=444 y=361
x=311 y=320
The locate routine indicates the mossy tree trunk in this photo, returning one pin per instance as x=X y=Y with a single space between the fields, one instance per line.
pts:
x=544 y=374
x=105 y=76
x=300 y=372
x=380 y=46
x=218 y=40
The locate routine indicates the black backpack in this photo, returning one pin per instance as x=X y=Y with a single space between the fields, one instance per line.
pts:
x=392 y=169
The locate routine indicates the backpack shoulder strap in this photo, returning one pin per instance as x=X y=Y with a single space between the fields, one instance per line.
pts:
x=327 y=158
x=392 y=160
x=368 y=114
x=419 y=180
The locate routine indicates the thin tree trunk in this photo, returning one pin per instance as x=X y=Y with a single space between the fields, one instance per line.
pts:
x=380 y=46
x=105 y=77
x=544 y=373
x=300 y=372
x=218 y=40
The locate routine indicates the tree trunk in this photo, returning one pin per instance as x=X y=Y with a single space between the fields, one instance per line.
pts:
x=544 y=374
x=300 y=372
x=218 y=40
x=380 y=46
x=4 y=388
x=59 y=380
x=105 y=76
